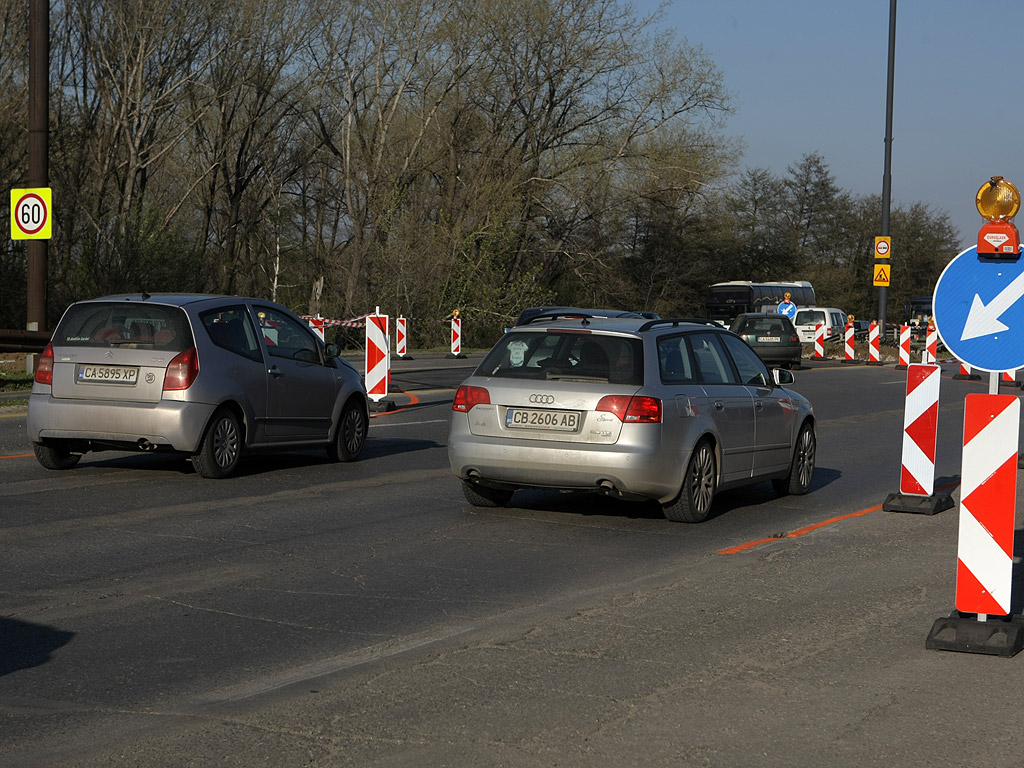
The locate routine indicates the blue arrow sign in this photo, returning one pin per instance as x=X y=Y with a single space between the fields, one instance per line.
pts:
x=979 y=311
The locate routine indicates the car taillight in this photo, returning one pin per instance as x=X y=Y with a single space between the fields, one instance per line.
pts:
x=467 y=397
x=182 y=371
x=632 y=410
x=44 y=368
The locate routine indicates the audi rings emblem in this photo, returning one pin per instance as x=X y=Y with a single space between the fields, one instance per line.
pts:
x=542 y=399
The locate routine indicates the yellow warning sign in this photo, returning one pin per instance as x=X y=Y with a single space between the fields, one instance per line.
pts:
x=882 y=275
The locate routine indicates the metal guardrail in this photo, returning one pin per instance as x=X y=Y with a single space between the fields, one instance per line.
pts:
x=23 y=341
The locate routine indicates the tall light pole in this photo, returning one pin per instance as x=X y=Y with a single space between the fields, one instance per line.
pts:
x=883 y=291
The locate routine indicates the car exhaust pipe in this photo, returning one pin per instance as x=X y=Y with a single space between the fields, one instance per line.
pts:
x=607 y=487
x=145 y=445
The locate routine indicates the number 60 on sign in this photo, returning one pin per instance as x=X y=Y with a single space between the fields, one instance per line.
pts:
x=31 y=214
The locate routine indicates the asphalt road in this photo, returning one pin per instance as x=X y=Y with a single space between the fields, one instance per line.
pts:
x=311 y=613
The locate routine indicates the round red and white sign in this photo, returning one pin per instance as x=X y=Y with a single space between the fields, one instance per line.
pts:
x=31 y=213
x=881 y=246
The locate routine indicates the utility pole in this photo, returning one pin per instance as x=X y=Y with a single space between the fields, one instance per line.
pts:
x=38 y=154
x=883 y=291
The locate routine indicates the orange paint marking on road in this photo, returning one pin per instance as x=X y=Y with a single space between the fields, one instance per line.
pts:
x=797 y=533
x=412 y=401
x=19 y=456
x=810 y=528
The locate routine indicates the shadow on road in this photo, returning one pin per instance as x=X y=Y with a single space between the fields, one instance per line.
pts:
x=24 y=645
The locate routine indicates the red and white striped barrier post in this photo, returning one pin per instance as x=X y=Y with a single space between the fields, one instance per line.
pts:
x=920 y=432
x=819 y=341
x=401 y=328
x=456 y=335
x=904 y=347
x=1008 y=378
x=988 y=494
x=965 y=373
x=378 y=356
x=850 y=354
x=931 y=346
x=874 y=354
x=987 y=504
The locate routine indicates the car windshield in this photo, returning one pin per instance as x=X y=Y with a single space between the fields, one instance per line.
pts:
x=565 y=355
x=122 y=323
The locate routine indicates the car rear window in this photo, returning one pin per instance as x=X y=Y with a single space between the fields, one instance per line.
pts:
x=122 y=323
x=754 y=325
x=810 y=317
x=552 y=354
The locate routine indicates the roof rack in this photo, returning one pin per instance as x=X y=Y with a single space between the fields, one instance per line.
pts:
x=674 y=321
x=564 y=315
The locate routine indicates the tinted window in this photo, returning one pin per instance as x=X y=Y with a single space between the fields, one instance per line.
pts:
x=231 y=329
x=284 y=337
x=550 y=355
x=752 y=369
x=124 y=323
x=713 y=366
x=674 y=361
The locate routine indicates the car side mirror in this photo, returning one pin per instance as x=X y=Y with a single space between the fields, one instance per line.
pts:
x=783 y=377
x=331 y=351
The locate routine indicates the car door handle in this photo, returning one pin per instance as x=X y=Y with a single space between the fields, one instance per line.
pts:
x=275 y=371
x=758 y=405
x=719 y=405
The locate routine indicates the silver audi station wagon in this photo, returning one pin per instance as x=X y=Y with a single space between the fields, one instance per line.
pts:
x=207 y=376
x=672 y=410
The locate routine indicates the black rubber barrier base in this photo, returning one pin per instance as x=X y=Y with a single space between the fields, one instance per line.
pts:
x=875 y=362
x=851 y=362
x=918 y=505
x=967 y=376
x=995 y=637
x=382 y=406
x=901 y=367
x=459 y=356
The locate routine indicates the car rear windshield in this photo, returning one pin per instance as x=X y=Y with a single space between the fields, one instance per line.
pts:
x=566 y=355
x=763 y=325
x=810 y=317
x=121 y=323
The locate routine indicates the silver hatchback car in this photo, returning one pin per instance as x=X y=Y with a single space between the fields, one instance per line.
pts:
x=207 y=376
x=671 y=410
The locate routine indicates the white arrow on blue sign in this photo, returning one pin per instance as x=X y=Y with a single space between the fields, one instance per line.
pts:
x=979 y=311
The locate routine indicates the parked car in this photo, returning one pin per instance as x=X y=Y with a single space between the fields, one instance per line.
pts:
x=211 y=377
x=772 y=337
x=808 y=318
x=667 y=410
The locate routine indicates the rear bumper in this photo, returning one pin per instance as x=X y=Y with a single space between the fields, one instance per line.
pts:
x=168 y=424
x=633 y=470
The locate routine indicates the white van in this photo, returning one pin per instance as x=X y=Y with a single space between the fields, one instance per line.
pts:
x=807 y=319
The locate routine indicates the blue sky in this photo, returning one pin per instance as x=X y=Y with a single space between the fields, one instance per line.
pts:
x=810 y=76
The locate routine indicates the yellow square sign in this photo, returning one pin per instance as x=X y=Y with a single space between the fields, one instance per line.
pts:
x=882 y=272
x=31 y=214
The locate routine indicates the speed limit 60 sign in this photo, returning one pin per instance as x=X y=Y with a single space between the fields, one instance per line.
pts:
x=31 y=213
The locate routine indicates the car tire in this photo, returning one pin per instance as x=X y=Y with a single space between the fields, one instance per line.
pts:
x=694 y=502
x=482 y=496
x=801 y=470
x=221 y=449
x=350 y=436
x=55 y=455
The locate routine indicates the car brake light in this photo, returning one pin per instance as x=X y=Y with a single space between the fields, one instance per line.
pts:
x=632 y=410
x=44 y=368
x=182 y=371
x=467 y=397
